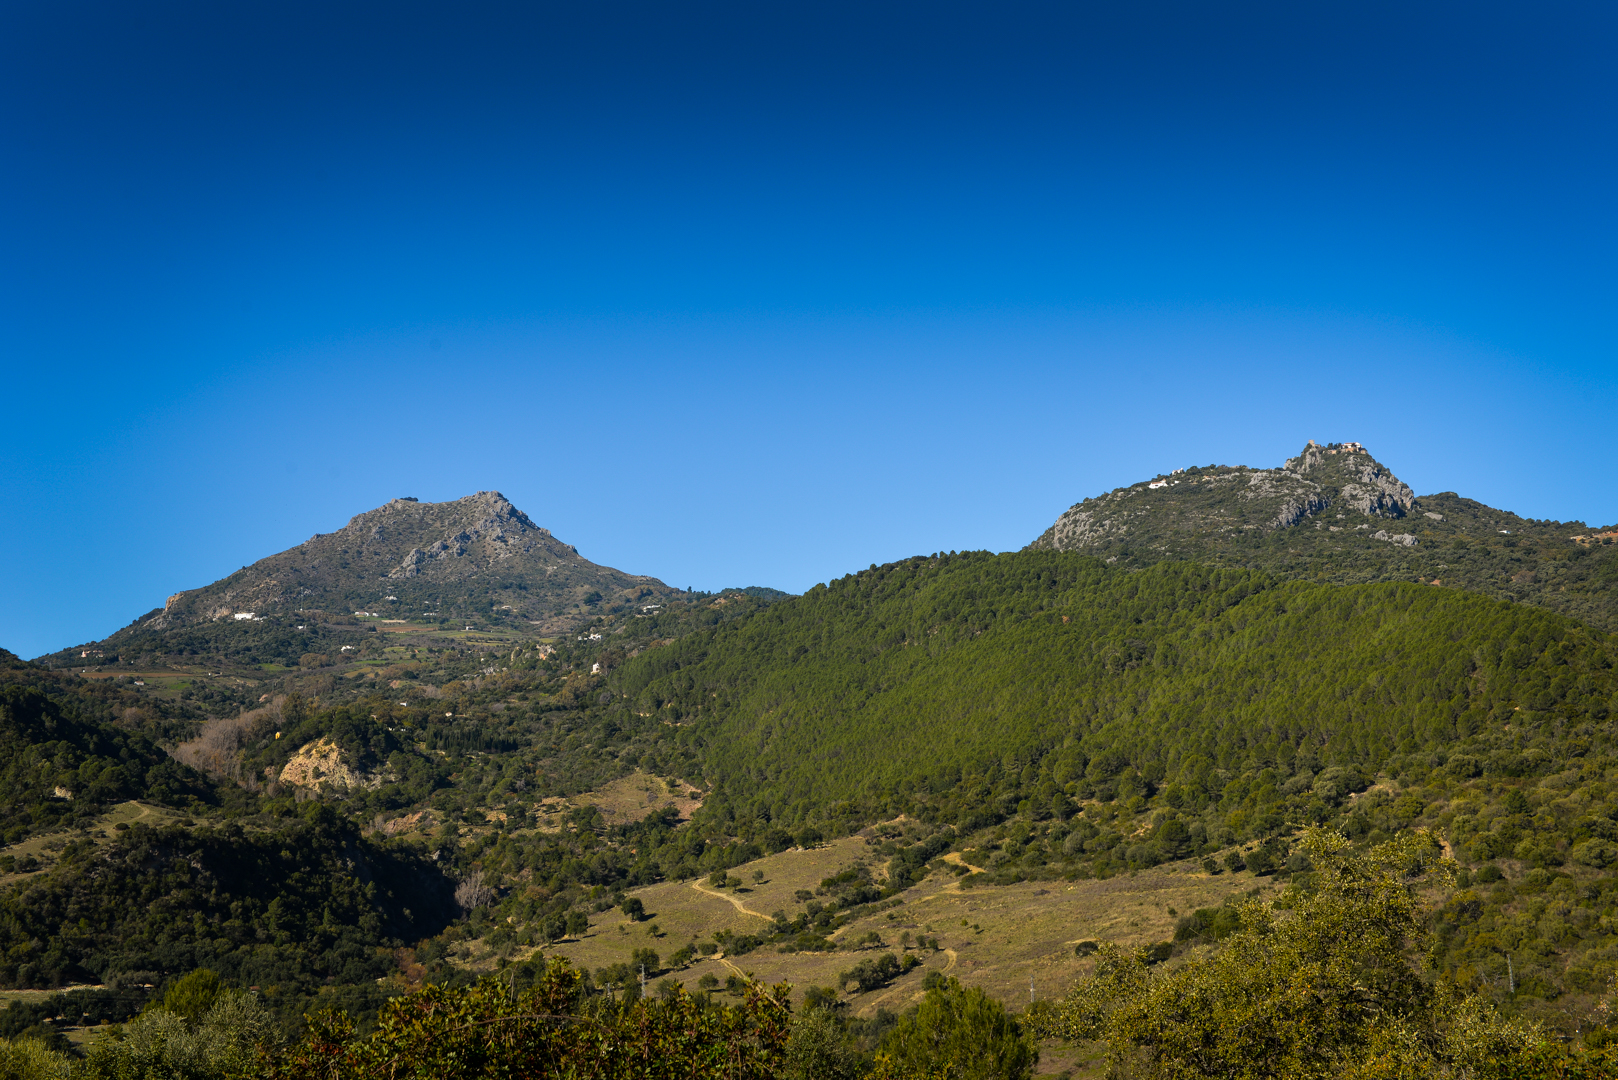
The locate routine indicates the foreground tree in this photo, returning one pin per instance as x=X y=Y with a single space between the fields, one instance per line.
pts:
x=202 y=1031
x=957 y=1033
x=1333 y=984
x=551 y=1030
x=30 y=1059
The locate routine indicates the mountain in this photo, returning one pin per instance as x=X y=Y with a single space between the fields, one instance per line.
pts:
x=1233 y=662
x=1036 y=716
x=475 y=560
x=1336 y=514
x=474 y=556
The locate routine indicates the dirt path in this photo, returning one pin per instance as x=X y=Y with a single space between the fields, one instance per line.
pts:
x=734 y=901
x=114 y=673
x=951 y=954
x=733 y=969
x=954 y=859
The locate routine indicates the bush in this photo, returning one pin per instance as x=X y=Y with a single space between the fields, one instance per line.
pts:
x=960 y=1033
x=872 y=974
x=191 y=996
x=224 y=1040
x=482 y=1031
x=1339 y=977
x=30 y=1059
x=647 y=959
x=818 y=1049
x=1597 y=853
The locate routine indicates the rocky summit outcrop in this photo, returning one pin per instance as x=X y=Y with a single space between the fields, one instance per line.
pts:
x=1340 y=483
x=474 y=556
x=1334 y=513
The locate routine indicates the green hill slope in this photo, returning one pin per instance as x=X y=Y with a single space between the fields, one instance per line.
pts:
x=292 y=898
x=1048 y=716
x=290 y=905
x=958 y=686
x=1335 y=514
x=61 y=764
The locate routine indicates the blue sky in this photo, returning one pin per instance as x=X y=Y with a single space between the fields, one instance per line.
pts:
x=760 y=294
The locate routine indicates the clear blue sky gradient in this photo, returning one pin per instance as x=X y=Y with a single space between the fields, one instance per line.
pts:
x=764 y=293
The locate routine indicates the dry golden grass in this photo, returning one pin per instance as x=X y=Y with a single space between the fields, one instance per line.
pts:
x=632 y=797
x=995 y=937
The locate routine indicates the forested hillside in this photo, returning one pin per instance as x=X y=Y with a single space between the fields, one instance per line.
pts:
x=1070 y=719
x=267 y=892
x=959 y=685
x=290 y=904
x=61 y=764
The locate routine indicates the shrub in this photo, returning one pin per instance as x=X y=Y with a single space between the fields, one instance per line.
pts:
x=957 y=1032
x=224 y=1040
x=30 y=1059
x=481 y=1030
x=1338 y=974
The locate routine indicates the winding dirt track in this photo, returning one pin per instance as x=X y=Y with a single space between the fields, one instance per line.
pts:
x=734 y=901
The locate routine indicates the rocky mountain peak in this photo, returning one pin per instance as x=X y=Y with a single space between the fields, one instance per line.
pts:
x=1344 y=475
x=1363 y=484
x=1340 y=485
x=1333 y=513
x=475 y=554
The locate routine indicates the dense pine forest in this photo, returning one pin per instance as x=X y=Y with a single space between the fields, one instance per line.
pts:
x=961 y=686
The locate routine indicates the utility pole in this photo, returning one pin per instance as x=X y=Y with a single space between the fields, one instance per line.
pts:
x=1512 y=975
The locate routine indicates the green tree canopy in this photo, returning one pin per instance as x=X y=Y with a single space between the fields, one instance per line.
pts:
x=1325 y=983
x=958 y=1033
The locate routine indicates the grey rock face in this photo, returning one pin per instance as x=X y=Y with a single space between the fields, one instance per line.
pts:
x=1403 y=539
x=1363 y=484
x=411 y=565
x=1298 y=498
x=1078 y=527
x=1380 y=494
